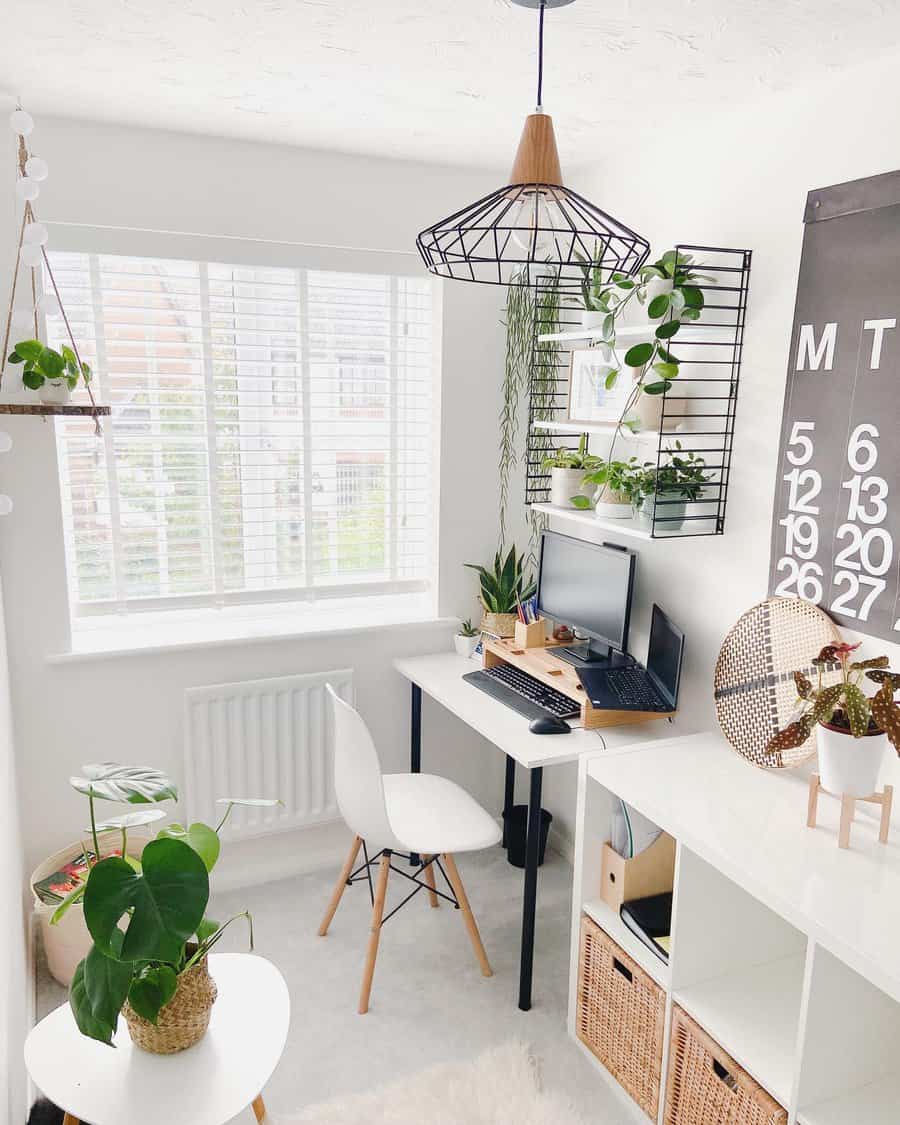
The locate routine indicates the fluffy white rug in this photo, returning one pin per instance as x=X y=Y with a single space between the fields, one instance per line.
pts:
x=500 y=1086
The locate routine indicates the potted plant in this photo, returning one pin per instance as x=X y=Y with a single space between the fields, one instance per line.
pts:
x=854 y=729
x=567 y=468
x=467 y=638
x=146 y=918
x=661 y=492
x=53 y=374
x=503 y=587
x=612 y=488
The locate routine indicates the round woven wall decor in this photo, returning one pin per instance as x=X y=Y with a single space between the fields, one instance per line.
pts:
x=754 y=683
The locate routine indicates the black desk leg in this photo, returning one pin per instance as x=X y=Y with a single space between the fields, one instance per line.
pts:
x=415 y=741
x=509 y=794
x=532 y=851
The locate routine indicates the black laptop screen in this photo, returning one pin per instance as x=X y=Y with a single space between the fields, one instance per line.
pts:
x=664 y=655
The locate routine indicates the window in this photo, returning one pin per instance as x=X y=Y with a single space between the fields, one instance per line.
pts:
x=270 y=437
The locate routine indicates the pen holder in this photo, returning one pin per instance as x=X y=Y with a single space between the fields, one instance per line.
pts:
x=531 y=636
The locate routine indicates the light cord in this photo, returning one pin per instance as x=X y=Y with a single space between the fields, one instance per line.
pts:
x=540 y=74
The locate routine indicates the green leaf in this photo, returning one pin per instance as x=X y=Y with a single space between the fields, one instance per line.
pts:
x=667 y=331
x=690 y=314
x=872 y=662
x=793 y=735
x=206 y=929
x=667 y=370
x=693 y=297
x=658 y=306
x=199 y=836
x=75 y=895
x=581 y=502
x=29 y=349
x=14 y=357
x=638 y=355
x=129 y=820
x=151 y=989
x=610 y=381
x=803 y=685
x=656 y=388
x=166 y=901
x=825 y=703
x=33 y=380
x=51 y=362
x=857 y=708
x=138 y=785
x=98 y=990
x=886 y=713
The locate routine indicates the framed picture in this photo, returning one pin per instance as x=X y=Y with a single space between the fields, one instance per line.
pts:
x=589 y=399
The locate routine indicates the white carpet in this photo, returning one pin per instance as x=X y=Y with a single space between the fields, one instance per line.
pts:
x=500 y=1086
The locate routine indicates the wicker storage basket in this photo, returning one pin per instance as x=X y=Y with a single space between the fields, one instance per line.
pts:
x=621 y=1016
x=499 y=624
x=183 y=1021
x=707 y=1087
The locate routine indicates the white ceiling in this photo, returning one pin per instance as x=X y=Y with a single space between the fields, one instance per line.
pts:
x=441 y=80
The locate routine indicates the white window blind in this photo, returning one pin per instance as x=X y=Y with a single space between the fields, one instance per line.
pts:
x=270 y=438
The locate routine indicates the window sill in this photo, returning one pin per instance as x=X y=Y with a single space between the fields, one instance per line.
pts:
x=136 y=633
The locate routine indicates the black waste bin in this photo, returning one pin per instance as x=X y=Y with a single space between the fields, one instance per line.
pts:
x=515 y=831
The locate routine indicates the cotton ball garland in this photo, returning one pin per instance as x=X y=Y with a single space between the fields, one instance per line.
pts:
x=36 y=234
x=36 y=168
x=21 y=122
x=31 y=255
x=49 y=305
x=27 y=189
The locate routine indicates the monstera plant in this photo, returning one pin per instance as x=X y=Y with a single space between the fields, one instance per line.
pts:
x=147 y=916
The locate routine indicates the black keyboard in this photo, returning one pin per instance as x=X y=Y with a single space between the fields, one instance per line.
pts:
x=630 y=685
x=523 y=693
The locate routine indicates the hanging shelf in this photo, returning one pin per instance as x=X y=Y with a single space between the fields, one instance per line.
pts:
x=48 y=409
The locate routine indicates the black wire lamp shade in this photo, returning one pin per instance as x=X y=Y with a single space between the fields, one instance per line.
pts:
x=535 y=230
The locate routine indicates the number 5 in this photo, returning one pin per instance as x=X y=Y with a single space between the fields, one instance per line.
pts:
x=799 y=438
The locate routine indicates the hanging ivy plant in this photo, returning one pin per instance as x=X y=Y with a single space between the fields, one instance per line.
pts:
x=519 y=322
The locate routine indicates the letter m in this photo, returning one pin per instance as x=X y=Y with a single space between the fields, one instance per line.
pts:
x=809 y=355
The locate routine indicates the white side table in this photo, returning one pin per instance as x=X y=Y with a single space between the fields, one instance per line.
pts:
x=208 y=1084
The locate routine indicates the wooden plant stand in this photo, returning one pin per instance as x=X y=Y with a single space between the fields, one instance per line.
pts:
x=541 y=662
x=848 y=810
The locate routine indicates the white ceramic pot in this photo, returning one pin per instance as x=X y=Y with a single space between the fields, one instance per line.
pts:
x=847 y=764
x=465 y=646
x=69 y=942
x=591 y=319
x=673 y=514
x=55 y=393
x=647 y=410
x=566 y=483
x=612 y=505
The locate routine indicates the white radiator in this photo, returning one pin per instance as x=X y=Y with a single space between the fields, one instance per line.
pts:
x=262 y=738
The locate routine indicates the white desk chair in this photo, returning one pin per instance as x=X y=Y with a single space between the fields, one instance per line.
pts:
x=419 y=816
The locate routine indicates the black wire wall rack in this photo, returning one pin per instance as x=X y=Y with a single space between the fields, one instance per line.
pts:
x=697 y=412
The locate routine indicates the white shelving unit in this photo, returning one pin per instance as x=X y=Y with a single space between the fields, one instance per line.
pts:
x=723 y=336
x=566 y=426
x=782 y=947
x=629 y=527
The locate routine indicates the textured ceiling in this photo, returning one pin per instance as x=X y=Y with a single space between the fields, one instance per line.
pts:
x=441 y=80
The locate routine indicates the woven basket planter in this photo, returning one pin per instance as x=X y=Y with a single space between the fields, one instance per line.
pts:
x=499 y=624
x=183 y=1021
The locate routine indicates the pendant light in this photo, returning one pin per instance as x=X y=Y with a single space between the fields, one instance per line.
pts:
x=534 y=230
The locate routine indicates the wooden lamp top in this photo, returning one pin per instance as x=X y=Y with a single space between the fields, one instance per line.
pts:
x=537 y=158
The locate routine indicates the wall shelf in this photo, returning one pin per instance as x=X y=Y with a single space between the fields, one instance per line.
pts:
x=714 y=334
x=633 y=528
x=51 y=410
x=566 y=426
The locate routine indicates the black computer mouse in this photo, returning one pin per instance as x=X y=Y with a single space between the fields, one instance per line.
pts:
x=549 y=724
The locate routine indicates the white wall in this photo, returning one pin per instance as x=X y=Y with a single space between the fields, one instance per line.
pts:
x=130 y=708
x=14 y=1006
x=737 y=178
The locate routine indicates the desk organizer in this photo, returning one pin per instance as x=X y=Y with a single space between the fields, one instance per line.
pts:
x=705 y=1084
x=620 y=1016
x=651 y=872
x=559 y=674
x=532 y=635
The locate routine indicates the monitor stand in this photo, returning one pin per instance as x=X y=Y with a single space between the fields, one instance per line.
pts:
x=591 y=655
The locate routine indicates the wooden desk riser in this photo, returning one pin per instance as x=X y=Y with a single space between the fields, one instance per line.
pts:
x=544 y=665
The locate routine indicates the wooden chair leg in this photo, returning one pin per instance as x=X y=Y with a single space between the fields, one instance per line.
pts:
x=887 y=799
x=377 y=915
x=848 y=808
x=460 y=891
x=259 y=1108
x=813 y=801
x=340 y=886
x=429 y=879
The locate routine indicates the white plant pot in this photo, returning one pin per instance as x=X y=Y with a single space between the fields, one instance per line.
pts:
x=566 y=483
x=69 y=942
x=591 y=319
x=54 y=393
x=612 y=505
x=465 y=646
x=635 y=315
x=847 y=764
x=673 y=514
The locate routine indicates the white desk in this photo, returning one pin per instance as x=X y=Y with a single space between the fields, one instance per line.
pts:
x=441 y=677
x=784 y=947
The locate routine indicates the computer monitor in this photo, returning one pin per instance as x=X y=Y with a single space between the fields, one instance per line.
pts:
x=589 y=587
x=664 y=655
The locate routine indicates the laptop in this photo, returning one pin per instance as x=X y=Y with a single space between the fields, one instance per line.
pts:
x=634 y=688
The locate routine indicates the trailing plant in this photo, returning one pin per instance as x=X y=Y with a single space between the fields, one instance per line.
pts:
x=467 y=629
x=47 y=365
x=623 y=477
x=843 y=705
x=544 y=382
x=520 y=312
x=571 y=458
x=683 y=472
x=505 y=583
x=160 y=900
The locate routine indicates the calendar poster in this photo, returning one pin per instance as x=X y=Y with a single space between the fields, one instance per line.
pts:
x=836 y=524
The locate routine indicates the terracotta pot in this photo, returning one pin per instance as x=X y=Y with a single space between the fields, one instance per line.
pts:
x=183 y=1021
x=847 y=764
x=499 y=624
